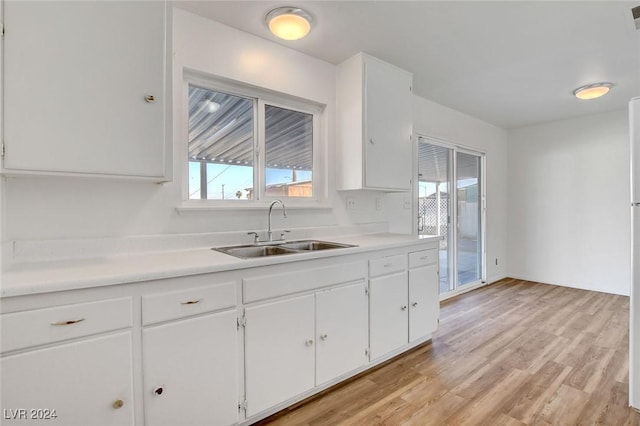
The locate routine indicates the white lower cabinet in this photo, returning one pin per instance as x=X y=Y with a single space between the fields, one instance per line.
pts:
x=295 y=344
x=403 y=306
x=424 y=305
x=207 y=345
x=191 y=371
x=389 y=316
x=424 y=295
x=342 y=331
x=279 y=351
x=86 y=382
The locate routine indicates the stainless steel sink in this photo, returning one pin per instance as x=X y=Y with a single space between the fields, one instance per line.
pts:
x=311 y=245
x=277 y=249
x=249 y=252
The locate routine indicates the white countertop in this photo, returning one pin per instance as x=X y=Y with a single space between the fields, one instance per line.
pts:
x=31 y=278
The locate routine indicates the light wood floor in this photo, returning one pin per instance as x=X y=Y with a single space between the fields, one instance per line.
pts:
x=512 y=353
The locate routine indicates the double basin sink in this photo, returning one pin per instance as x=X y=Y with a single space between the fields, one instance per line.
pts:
x=279 y=248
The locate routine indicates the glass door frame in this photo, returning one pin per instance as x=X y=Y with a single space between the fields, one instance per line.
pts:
x=453 y=211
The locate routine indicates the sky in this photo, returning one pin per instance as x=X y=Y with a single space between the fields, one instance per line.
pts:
x=234 y=178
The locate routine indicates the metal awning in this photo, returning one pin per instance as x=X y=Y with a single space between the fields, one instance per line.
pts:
x=221 y=130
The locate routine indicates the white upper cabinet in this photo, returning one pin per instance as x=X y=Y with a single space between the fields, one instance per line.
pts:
x=374 y=125
x=85 y=88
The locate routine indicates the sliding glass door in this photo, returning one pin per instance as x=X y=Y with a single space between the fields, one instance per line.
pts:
x=468 y=218
x=435 y=173
x=452 y=211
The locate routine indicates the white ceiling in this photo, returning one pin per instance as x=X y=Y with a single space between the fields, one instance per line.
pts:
x=510 y=63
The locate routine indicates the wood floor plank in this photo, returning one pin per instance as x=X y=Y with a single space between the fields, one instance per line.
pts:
x=563 y=408
x=588 y=372
x=489 y=404
x=437 y=412
x=524 y=405
x=512 y=353
x=607 y=407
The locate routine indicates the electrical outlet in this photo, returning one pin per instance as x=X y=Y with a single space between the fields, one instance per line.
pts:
x=378 y=204
x=351 y=203
x=406 y=203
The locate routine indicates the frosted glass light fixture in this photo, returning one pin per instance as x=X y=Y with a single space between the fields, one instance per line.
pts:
x=289 y=23
x=592 y=91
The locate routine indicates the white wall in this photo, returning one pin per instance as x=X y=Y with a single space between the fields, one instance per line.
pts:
x=569 y=220
x=49 y=208
x=437 y=121
x=39 y=208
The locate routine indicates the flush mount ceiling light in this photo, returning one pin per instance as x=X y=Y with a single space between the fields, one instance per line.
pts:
x=592 y=91
x=289 y=23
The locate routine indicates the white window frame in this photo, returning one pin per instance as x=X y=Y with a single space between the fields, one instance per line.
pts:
x=261 y=98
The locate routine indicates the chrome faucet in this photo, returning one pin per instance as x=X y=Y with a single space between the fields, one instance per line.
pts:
x=284 y=213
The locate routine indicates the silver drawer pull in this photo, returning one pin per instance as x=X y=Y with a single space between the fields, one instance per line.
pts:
x=309 y=342
x=388 y=265
x=68 y=322
x=414 y=304
x=404 y=308
x=191 y=302
x=324 y=336
x=424 y=257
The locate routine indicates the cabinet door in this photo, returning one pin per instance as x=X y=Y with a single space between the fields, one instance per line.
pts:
x=424 y=304
x=75 y=79
x=279 y=351
x=190 y=371
x=388 y=313
x=88 y=382
x=388 y=126
x=341 y=318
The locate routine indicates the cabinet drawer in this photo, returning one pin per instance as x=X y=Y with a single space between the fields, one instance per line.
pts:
x=180 y=304
x=387 y=265
x=423 y=258
x=270 y=286
x=41 y=326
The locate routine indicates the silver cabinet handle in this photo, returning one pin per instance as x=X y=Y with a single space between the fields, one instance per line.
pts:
x=159 y=390
x=68 y=322
x=150 y=98
x=309 y=342
x=191 y=302
x=635 y=204
x=388 y=265
x=117 y=404
x=404 y=308
x=414 y=304
x=371 y=141
x=324 y=336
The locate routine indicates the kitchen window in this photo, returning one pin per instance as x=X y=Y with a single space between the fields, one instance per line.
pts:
x=247 y=144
